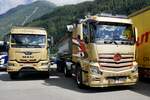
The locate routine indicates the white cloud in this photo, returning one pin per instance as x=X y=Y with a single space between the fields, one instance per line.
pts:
x=6 y=5
x=64 y=2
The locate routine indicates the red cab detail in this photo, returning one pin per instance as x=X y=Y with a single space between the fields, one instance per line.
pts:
x=117 y=57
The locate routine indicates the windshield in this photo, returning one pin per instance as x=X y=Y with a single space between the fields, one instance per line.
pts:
x=113 y=32
x=28 y=41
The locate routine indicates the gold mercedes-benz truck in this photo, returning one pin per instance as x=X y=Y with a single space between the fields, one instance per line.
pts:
x=28 y=51
x=141 y=20
x=103 y=51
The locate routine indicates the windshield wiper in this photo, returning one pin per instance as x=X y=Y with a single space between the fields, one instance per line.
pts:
x=115 y=42
x=34 y=45
x=110 y=42
x=20 y=45
x=127 y=42
x=107 y=42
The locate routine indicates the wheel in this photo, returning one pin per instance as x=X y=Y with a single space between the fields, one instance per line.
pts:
x=67 y=72
x=79 y=80
x=13 y=75
x=45 y=75
x=60 y=66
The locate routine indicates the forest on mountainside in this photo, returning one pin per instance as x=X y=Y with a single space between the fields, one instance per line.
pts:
x=56 y=21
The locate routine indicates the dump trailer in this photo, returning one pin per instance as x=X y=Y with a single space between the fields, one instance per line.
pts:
x=102 y=51
x=141 y=20
x=28 y=51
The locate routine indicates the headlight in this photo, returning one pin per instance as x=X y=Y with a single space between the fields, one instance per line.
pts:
x=43 y=64
x=11 y=64
x=94 y=70
x=135 y=63
x=135 y=67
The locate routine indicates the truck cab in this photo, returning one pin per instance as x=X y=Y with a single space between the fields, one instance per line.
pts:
x=103 y=51
x=28 y=51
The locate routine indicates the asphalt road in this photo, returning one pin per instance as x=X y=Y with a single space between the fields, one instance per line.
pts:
x=57 y=87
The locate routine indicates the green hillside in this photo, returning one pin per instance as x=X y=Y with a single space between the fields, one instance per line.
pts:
x=56 y=21
x=18 y=15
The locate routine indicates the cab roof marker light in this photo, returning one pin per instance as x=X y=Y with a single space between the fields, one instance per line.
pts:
x=111 y=15
x=121 y=16
x=105 y=14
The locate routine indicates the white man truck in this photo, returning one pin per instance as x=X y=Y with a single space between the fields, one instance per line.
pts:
x=102 y=51
x=28 y=51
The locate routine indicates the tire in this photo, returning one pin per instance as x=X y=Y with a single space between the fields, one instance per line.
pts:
x=60 y=66
x=79 y=79
x=45 y=75
x=13 y=75
x=67 y=72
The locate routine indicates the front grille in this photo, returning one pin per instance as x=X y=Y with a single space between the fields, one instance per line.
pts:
x=28 y=61
x=28 y=69
x=106 y=61
x=23 y=60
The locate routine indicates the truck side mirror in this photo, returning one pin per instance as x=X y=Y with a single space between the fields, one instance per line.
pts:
x=70 y=28
x=50 y=41
x=6 y=46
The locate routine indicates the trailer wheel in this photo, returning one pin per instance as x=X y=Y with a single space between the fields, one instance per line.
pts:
x=67 y=72
x=79 y=77
x=13 y=75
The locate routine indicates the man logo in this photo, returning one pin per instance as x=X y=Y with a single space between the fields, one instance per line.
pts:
x=28 y=53
x=27 y=57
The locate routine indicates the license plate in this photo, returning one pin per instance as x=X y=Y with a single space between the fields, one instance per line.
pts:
x=120 y=80
x=117 y=80
x=27 y=65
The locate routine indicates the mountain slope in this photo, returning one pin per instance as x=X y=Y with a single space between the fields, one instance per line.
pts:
x=56 y=21
x=23 y=14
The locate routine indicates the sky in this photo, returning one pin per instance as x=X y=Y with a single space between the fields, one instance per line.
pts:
x=6 y=5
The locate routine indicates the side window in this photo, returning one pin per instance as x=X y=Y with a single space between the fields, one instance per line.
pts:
x=85 y=33
x=92 y=29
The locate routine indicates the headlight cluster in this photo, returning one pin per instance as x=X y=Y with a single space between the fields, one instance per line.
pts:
x=135 y=69
x=94 y=70
x=11 y=64
x=135 y=63
x=45 y=63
